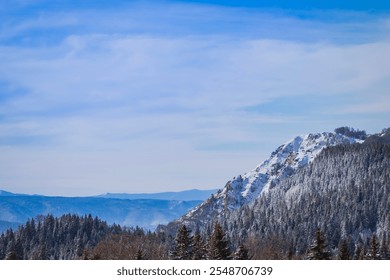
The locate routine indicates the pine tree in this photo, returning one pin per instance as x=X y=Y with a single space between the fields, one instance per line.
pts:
x=218 y=247
x=358 y=252
x=10 y=252
x=343 y=251
x=85 y=255
x=384 y=250
x=11 y=255
x=139 y=255
x=199 y=249
x=183 y=245
x=242 y=253
x=290 y=253
x=318 y=250
x=363 y=253
x=373 y=252
x=42 y=252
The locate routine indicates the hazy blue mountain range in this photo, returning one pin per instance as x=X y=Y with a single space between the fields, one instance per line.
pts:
x=144 y=210
x=5 y=193
x=187 y=195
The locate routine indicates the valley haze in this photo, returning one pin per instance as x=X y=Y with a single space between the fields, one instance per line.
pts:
x=129 y=210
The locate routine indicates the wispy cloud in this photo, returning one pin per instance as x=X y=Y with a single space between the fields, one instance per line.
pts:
x=176 y=88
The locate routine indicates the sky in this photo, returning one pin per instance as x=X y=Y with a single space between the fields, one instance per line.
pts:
x=153 y=96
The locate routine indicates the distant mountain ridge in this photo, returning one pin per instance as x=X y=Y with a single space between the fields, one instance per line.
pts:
x=187 y=195
x=5 y=193
x=143 y=210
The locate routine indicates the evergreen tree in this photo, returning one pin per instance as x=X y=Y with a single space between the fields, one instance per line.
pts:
x=290 y=253
x=218 y=247
x=318 y=250
x=85 y=255
x=42 y=252
x=11 y=248
x=242 y=253
x=139 y=255
x=199 y=252
x=11 y=255
x=384 y=250
x=183 y=245
x=358 y=252
x=344 y=251
x=373 y=252
x=363 y=253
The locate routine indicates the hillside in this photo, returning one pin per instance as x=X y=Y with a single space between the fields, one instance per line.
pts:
x=245 y=189
x=344 y=192
x=330 y=181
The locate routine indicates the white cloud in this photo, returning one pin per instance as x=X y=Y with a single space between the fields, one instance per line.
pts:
x=142 y=106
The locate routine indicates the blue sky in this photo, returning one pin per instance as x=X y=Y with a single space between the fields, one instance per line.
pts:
x=148 y=96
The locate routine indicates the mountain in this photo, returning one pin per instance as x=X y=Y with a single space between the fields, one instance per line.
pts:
x=148 y=213
x=187 y=195
x=336 y=182
x=5 y=193
x=283 y=162
x=344 y=192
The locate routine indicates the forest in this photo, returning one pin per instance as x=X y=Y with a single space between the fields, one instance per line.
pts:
x=71 y=237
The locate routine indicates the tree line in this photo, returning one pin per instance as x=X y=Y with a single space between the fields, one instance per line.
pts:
x=73 y=237
x=194 y=247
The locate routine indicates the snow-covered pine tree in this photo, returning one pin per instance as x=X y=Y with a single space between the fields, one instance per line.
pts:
x=10 y=252
x=373 y=252
x=318 y=250
x=384 y=249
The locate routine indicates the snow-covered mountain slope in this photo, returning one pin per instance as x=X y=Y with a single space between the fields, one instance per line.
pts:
x=344 y=192
x=283 y=162
x=292 y=155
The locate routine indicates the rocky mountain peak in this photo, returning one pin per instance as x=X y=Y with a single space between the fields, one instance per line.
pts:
x=283 y=162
